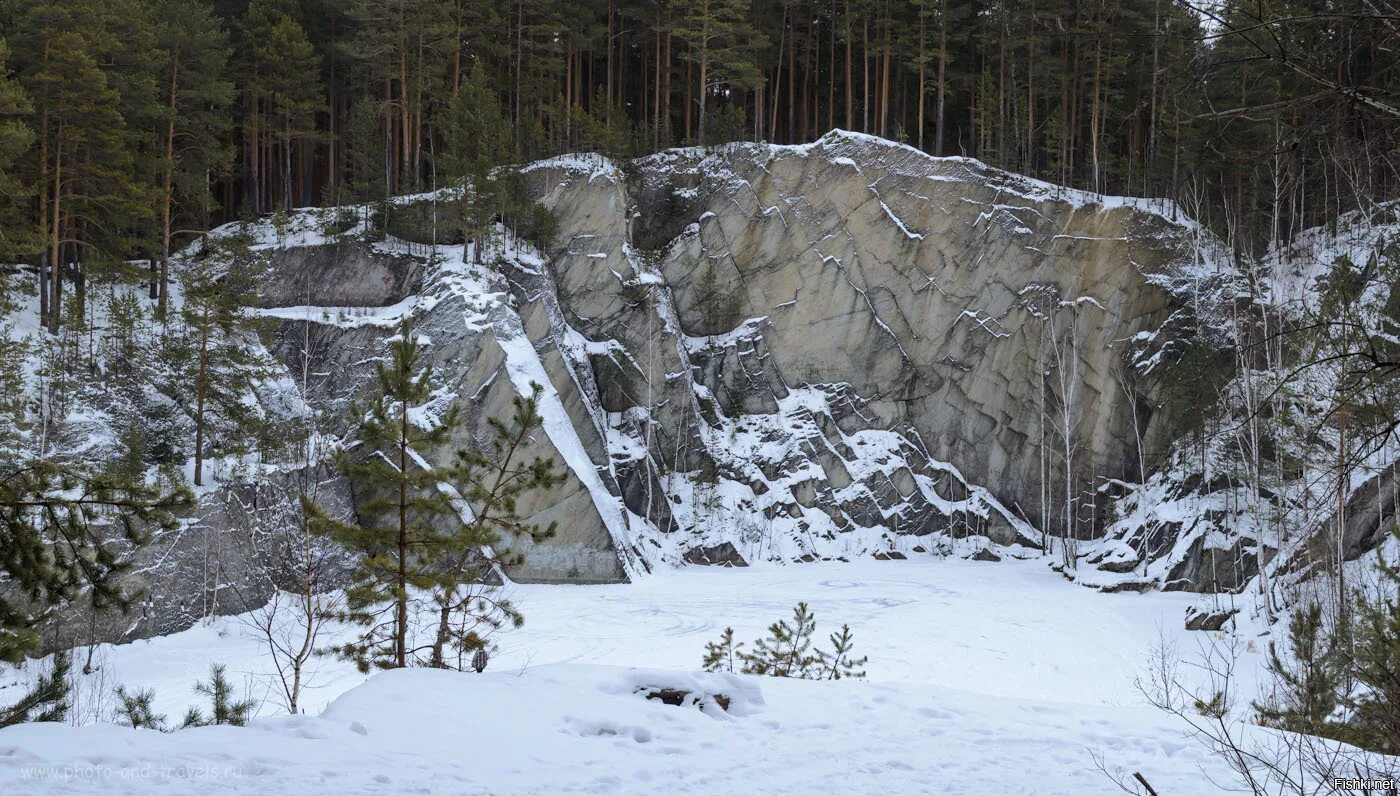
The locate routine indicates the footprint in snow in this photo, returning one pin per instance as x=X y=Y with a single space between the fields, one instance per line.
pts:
x=938 y=713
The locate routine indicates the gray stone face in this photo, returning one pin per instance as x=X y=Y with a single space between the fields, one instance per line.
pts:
x=340 y=354
x=927 y=296
x=748 y=353
x=345 y=274
x=928 y=322
x=227 y=558
x=837 y=346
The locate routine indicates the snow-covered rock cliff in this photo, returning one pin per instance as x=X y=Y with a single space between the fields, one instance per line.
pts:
x=757 y=352
x=749 y=354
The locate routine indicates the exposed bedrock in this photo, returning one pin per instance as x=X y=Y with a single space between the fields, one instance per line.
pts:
x=815 y=351
x=747 y=353
x=843 y=349
x=938 y=300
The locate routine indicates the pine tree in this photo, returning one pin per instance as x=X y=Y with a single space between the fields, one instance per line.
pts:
x=18 y=234
x=83 y=170
x=46 y=701
x=217 y=295
x=396 y=538
x=14 y=392
x=476 y=142
x=57 y=542
x=136 y=710
x=402 y=48
x=281 y=101
x=223 y=707
x=1128 y=96
x=489 y=481
x=1308 y=682
x=723 y=45
x=839 y=662
x=365 y=145
x=1376 y=662
x=787 y=650
x=130 y=55
x=720 y=655
x=196 y=93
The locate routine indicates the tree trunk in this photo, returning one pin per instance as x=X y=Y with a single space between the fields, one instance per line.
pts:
x=923 y=69
x=43 y=217
x=167 y=190
x=805 y=129
x=201 y=391
x=865 y=73
x=457 y=46
x=437 y=660
x=1030 y=95
x=942 y=79
x=831 y=76
x=1094 y=123
x=1152 y=110
x=656 y=89
x=885 y=76
x=778 y=76
x=401 y=577
x=663 y=123
x=1341 y=522
x=405 y=118
x=704 y=77
x=850 y=84
x=609 y=77
x=792 y=86
x=56 y=238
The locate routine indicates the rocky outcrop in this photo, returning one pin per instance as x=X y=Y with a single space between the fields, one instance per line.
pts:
x=783 y=352
x=227 y=558
x=745 y=353
x=926 y=294
x=341 y=273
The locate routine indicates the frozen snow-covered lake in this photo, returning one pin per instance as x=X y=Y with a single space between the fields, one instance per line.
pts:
x=983 y=678
x=1011 y=629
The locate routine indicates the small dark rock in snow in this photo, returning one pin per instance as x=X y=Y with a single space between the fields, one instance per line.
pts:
x=890 y=555
x=1197 y=619
x=1139 y=586
x=720 y=555
x=985 y=555
x=675 y=696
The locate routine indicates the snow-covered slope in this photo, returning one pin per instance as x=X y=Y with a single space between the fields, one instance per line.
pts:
x=1258 y=480
x=983 y=678
x=580 y=730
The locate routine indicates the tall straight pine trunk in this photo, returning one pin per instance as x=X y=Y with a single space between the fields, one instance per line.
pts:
x=56 y=239
x=201 y=393
x=167 y=190
x=401 y=576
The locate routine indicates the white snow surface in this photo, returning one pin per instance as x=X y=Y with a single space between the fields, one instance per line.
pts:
x=983 y=679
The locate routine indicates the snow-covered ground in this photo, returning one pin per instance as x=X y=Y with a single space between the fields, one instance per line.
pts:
x=983 y=678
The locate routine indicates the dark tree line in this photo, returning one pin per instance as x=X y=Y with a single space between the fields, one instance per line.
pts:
x=127 y=126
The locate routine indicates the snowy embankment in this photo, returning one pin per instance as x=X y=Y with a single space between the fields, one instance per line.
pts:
x=983 y=678
x=580 y=729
